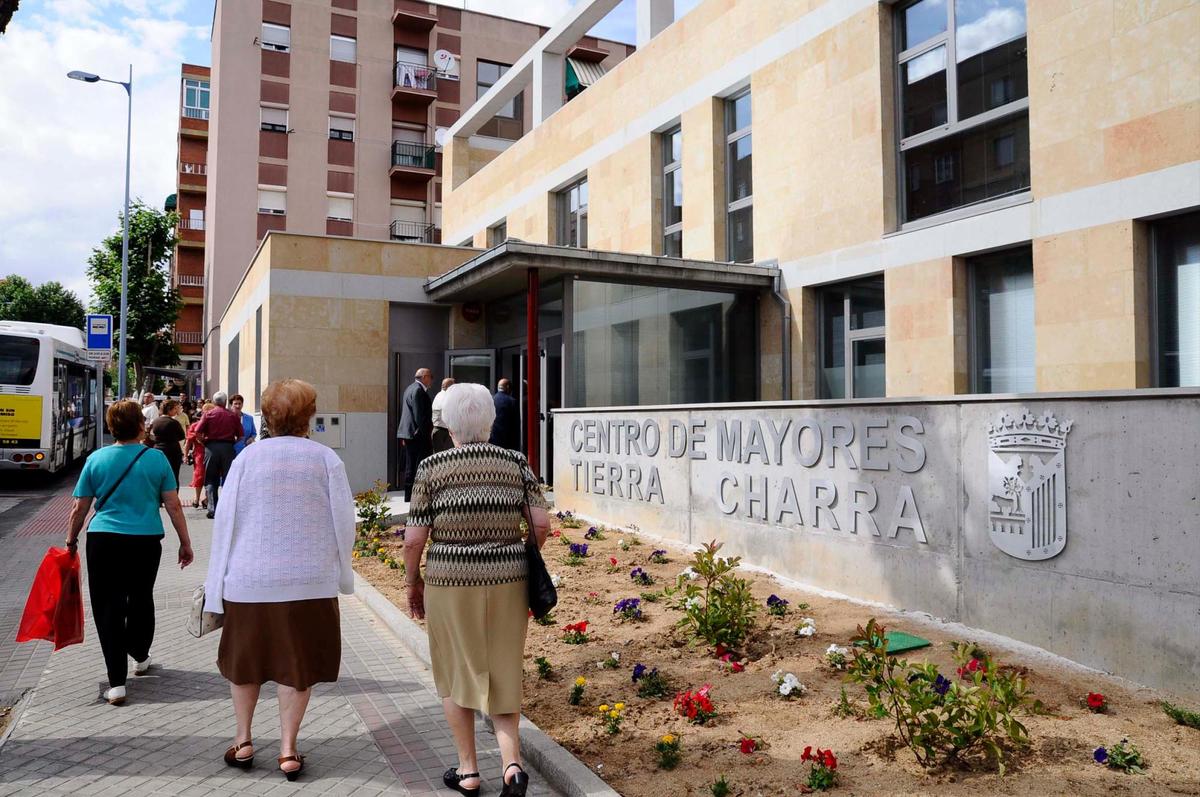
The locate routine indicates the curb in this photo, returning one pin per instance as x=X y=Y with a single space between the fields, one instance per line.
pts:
x=562 y=771
x=18 y=709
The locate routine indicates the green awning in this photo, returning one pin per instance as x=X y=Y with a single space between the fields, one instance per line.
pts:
x=170 y=204
x=581 y=74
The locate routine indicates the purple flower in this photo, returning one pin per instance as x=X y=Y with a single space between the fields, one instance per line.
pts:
x=629 y=608
x=658 y=554
x=640 y=576
x=1101 y=755
x=941 y=685
x=775 y=600
x=638 y=671
x=579 y=549
x=590 y=534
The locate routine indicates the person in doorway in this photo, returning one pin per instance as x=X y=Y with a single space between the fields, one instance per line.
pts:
x=167 y=436
x=124 y=541
x=416 y=426
x=281 y=612
x=441 y=433
x=470 y=503
x=249 y=433
x=506 y=429
x=219 y=429
x=193 y=451
x=149 y=408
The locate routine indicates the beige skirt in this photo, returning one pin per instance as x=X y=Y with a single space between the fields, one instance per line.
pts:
x=477 y=643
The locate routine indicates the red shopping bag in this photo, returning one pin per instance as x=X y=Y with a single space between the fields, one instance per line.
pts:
x=54 y=609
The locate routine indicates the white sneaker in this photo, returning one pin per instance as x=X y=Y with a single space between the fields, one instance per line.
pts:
x=141 y=667
x=115 y=696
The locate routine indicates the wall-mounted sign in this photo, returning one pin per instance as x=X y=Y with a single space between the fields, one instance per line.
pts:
x=446 y=63
x=472 y=312
x=1027 y=478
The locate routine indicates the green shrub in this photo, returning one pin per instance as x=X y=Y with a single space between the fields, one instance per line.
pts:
x=668 y=750
x=1123 y=756
x=372 y=509
x=719 y=787
x=717 y=606
x=1182 y=715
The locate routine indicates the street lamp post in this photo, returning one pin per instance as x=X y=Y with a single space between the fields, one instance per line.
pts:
x=88 y=77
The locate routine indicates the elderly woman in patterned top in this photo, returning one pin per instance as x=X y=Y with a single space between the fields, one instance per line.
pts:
x=469 y=503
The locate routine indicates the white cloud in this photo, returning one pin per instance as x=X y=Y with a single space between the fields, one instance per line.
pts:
x=996 y=26
x=62 y=142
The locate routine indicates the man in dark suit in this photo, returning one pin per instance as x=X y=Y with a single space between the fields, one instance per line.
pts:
x=416 y=426
x=506 y=429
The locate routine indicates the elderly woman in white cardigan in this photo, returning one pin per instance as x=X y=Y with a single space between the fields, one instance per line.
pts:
x=280 y=555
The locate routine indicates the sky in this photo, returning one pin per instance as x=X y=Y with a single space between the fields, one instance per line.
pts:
x=62 y=157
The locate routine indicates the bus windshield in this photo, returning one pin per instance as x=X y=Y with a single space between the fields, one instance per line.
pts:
x=18 y=360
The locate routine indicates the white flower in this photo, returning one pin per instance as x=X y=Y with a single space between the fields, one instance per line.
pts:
x=555 y=580
x=777 y=676
x=835 y=648
x=808 y=627
x=615 y=656
x=691 y=603
x=785 y=689
x=691 y=574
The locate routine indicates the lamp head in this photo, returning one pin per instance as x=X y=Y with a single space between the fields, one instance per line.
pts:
x=86 y=77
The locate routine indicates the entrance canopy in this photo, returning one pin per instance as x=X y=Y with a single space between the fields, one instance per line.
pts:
x=502 y=271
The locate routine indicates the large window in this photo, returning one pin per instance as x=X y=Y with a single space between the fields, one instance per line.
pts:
x=642 y=344
x=852 y=332
x=195 y=98
x=18 y=360
x=573 y=215
x=341 y=207
x=508 y=122
x=341 y=128
x=739 y=180
x=343 y=48
x=273 y=120
x=1001 y=320
x=963 y=94
x=672 y=192
x=276 y=37
x=272 y=200
x=1176 y=278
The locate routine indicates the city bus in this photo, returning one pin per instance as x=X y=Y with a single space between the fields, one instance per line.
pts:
x=48 y=397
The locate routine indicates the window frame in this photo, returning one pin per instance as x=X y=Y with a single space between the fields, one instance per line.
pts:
x=497 y=233
x=333 y=37
x=1155 y=312
x=850 y=337
x=669 y=168
x=974 y=367
x=732 y=137
x=274 y=189
x=279 y=48
x=953 y=125
x=331 y=195
x=518 y=103
x=564 y=214
x=342 y=133
x=273 y=127
x=202 y=87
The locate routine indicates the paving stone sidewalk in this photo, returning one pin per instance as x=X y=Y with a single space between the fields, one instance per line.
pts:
x=379 y=730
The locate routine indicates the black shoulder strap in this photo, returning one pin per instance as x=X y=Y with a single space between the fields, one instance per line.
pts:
x=103 y=500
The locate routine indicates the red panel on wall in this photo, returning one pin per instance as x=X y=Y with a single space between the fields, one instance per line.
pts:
x=341 y=102
x=341 y=153
x=342 y=182
x=411 y=38
x=192 y=150
x=407 y=188
x=448 y=41
x=449 y=91
x=343 y=74
x=445 y=117
x=279 y=13
x=337 y=227
x=342 y=25
x=449 y=17
x=272 y=174
x=273 y=91
x=410 y=112
x=270 y=221
x=272 y=145
x=276 y=64
x=349 y=5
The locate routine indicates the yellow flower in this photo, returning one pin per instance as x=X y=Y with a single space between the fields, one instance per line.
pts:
x=668 y=739
x=619 y=707
x=603 y=708
x=614 y=714
x=580 y=681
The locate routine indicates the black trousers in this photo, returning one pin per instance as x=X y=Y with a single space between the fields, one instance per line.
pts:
x=415 y=451
x=218 y=456
x=121 y=570
x=441 y=439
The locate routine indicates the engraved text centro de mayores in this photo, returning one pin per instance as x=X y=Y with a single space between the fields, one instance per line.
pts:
x=801 y=448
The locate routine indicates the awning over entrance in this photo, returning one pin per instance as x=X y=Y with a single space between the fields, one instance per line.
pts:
x=502 y=271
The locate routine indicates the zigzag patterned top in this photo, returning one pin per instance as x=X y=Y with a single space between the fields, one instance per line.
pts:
x=471 y=498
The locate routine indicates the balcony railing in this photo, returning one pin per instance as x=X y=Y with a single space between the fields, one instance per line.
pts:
x=412 y=155
x=193 y=168
x=193 y=280
x=191 y=224
x=195 y=113
x=188 y=337
x=412 y=231
x=415 y=76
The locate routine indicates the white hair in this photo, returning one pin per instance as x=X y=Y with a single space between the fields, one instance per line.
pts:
x=469 y=412
x=220 y=398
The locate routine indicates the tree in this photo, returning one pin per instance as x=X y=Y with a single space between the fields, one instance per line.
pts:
x=7 y=9
x=48 y=303
x=153 y=304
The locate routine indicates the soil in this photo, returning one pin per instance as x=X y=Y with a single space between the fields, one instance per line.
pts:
x=871 y=761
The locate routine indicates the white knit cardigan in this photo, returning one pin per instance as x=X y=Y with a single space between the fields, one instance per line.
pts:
x=284 y=526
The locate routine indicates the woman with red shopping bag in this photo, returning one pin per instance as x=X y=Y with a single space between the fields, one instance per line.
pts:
x=54 y=609
x=124 y=542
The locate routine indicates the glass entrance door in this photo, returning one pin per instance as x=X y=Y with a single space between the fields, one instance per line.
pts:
x=472 y=365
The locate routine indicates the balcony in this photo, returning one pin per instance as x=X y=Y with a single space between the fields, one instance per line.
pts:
x=410 y=157
x=415 y=232
x=413 y=18
x=193 y=168
x=191 y=224
x=195 y=113
x=190 y=232
x=414 y=82
x=191 y=280
x=193 y=176
x=188 y=338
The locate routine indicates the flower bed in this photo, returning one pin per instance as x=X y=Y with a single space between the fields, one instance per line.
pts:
x=758 y=722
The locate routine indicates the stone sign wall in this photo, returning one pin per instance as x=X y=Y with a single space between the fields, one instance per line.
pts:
x=1072 y=523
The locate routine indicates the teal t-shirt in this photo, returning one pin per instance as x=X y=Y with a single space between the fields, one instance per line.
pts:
x=133 y=508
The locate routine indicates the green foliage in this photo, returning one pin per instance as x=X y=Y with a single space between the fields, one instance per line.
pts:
x=153 y=304
x=668 y=749
x=938 y=718
x=1123 y=756
x=653 y=685
x=544 y=670
x=651 y=597
x=546 y=620
x=719 y=787
x=718 y=606
x=372 y=509
x=1182 y=715
x=844 y=708
x=48 y=303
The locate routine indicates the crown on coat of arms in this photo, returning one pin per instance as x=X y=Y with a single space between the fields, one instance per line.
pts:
x=1044 y=431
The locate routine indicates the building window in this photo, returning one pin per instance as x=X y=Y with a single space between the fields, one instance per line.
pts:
x=276 y=37
x=1001 y=322
x=573 y=215
x=498 y=234
x=273 y=201
x=672 y=196
x=233 y=353
x=341 y=128
x=739 y=180
x=1176 y=291
x=409 y=223
x=274 y=120
x=852 y=331
x=964 y=103
x=341 y=207
x=195 y=98
x=508 y=122
x=343 y=48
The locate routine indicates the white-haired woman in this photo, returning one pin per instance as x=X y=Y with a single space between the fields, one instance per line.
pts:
x=468 y=502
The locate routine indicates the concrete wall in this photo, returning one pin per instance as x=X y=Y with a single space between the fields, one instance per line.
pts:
x=893 y=502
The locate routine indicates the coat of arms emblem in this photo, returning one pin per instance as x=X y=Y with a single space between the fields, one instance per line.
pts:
x=1027 y=478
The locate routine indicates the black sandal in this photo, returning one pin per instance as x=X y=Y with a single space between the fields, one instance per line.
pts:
x=291 y=774
x=453 y=780
x=231 y=756
x=518 y=785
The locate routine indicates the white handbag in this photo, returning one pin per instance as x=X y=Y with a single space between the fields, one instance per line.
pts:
x=199 y=621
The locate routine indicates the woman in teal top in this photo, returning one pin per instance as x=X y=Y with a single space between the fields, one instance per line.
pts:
x=124 y=544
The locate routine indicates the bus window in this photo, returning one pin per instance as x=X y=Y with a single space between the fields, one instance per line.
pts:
x=18 y=360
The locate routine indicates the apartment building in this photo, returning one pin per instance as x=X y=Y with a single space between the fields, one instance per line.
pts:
x=328 y=117
x=191 y=184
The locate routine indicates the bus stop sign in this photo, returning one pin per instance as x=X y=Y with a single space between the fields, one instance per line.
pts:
x=99 y=337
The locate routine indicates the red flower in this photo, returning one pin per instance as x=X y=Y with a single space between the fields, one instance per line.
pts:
x=973 y=666
x=829 y=760
x=1095 y=701
x=807 y=755
x=612 y=560
x=737 y=666
x=531 y=612
x=748 y=746
x=721 y=650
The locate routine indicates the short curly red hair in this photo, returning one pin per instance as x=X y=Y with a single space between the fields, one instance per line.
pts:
x=125 y=420
x=288 y=405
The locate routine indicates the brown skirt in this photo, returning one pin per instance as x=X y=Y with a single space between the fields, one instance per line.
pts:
x=294 y=643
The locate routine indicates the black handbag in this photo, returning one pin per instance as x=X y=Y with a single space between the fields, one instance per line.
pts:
x=543 y=597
